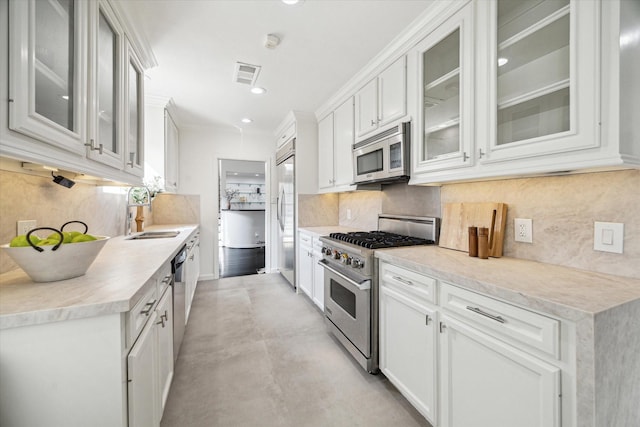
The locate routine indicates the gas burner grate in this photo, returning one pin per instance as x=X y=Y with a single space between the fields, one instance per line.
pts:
x=379 y=239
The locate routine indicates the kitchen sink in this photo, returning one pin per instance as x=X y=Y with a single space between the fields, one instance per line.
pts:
x=154 y=235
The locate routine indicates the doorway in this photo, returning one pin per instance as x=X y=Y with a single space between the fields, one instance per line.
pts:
x=241 y=218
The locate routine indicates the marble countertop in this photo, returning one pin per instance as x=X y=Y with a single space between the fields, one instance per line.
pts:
x=325 y=230
x=565 y=292
x=113 y=283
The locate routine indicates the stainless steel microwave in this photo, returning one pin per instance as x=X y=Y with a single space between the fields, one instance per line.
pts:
x=383 y=157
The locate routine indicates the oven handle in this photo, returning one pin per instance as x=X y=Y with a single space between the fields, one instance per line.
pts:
x=366 y=285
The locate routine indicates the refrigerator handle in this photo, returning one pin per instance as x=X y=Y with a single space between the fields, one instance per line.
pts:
x=281 y=209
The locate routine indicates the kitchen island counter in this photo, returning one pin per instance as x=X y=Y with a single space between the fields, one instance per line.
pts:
x=113 y=284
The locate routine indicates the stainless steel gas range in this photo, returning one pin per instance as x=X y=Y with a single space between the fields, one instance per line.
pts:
x=351 y=279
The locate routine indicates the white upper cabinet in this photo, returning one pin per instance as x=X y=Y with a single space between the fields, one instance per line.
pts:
x=445 y=92
x=383 y=100
x=335 y=145
x=134 y=115
x=540 y=88
x=47 y=86
x=343 y=144
x=106 y=82
x=75 y=88
x=325 y=153
x=538 y=91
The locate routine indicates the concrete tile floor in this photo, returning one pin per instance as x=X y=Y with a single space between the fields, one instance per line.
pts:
x=257 y=354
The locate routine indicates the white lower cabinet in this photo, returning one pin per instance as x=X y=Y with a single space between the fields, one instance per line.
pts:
x=142 y=378
x=150 y=362
x=305 y=265
x=408 y=349
x=192 y=272
x=310 y=275
x=487 y=383
x=164 y=328
x=466 y=359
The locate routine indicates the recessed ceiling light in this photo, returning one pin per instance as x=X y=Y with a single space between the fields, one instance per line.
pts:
x=246 y=120
x=502 y=61
x=258 y=90
x=290 y=1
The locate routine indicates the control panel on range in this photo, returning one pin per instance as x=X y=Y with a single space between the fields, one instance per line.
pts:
x=343 y=257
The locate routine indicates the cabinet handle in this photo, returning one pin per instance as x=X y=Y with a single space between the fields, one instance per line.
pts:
x=484 y=313
x=373 y=122
x=148 y=308
x=442 y=327
x=91 y=144
x=465 y=157
x=132 y=157
x=480 y=153
x=161 y=322
x=427 y=320
x=405 y=281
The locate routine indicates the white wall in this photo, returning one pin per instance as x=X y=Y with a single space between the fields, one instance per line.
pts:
x=200 y=150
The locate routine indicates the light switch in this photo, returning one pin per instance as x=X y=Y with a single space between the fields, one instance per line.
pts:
x=608 y=237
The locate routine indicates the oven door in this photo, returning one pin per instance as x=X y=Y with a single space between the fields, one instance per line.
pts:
x=347 y=304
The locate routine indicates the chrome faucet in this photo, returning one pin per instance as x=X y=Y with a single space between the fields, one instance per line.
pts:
x=144 y=201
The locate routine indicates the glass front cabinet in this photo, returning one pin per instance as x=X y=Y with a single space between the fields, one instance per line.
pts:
x=445 y=93
x=510 y=87
x=538 y=92
x=47 y=84
x=75 y=88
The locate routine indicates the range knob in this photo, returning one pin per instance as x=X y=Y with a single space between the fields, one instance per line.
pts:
x=345 y=259
x=336 y=254
x=357 y=263
x=326 y=251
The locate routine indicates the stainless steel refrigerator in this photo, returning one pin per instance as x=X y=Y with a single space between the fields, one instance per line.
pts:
x=286 y=208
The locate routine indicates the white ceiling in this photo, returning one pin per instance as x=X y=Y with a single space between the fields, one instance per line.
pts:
x=324 y=43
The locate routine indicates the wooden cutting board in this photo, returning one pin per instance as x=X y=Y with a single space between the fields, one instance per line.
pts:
x=458 y=217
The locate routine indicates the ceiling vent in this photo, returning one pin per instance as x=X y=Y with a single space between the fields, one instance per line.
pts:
x=246 y=73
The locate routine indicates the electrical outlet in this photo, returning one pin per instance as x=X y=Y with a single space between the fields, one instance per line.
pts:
x=523 y=230
x=25 y=226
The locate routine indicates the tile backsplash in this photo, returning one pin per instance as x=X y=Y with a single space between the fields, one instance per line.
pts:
x=563 y=210
x=26 y=197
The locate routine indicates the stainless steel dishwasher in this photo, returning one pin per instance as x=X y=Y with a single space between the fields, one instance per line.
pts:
x=178 y=289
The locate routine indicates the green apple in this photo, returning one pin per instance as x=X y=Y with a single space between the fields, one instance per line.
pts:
x=55 y=236
x=83 y=238
x=21 y=240
x=49 y=242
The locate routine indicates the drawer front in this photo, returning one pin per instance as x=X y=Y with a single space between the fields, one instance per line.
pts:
x=408 y=282
x=502 y=320
x=163 y=276
x=305 y=239
x=140 y=313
